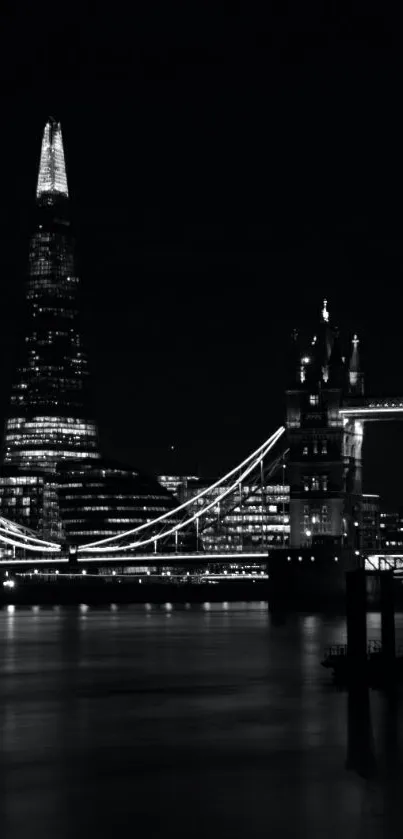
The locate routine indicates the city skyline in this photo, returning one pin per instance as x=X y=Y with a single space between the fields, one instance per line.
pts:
x=200 y=623
x=54 y=478
x=242 y=204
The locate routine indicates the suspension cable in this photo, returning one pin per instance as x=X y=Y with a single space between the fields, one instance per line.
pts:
x=263 y=452
x=274 y=437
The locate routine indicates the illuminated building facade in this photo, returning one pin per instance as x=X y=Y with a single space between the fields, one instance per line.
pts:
x=49 y=421
x=53 y=479
x=324 y=467
x=391 y=528
x=48 y=418
x=370 y=535
x=32 y=500
x=257 y=522
x=102 y=499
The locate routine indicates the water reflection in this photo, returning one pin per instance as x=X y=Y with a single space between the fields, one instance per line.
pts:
x=361 y=747
x=103 y=721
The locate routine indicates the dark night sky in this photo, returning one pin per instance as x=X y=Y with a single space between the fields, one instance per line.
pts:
x=229 y=168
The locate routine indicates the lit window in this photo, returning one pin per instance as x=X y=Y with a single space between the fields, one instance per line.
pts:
x=324 y=446
x=315 y=446
x=313 y=399
x=305 y=451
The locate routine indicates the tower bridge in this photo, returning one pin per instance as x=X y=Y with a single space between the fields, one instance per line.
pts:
x=81 y=509
x=317 y=454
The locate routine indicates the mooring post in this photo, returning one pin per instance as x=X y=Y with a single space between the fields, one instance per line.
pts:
x=356 y=612
x=388 y=617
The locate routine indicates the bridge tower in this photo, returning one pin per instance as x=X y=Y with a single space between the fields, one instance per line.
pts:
x=324 y=467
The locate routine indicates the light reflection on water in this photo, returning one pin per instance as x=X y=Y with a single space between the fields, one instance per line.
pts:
x=221 y=719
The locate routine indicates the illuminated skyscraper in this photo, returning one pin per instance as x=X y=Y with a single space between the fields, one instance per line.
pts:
x=48 y=420
x=52 y=477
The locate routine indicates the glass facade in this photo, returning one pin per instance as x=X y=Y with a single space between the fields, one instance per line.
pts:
x=370 y=533
x=52 y=478
x=391 y=530
x=255 y=518
x=48 y=420
x=31 y=500
x=99 y=500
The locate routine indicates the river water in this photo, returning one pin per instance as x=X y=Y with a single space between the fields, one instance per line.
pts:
x=190 y=721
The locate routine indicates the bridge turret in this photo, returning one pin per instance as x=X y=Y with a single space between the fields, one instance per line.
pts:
x=324 y=466
x=294 y=363
x=324 y=343
x=355 y=375
x=337 y=370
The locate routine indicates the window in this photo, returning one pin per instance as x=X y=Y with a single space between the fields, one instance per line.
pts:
x=306 y=484
x=324 y=483
x=324 y=447
x=305 y=451
x=315 y=483
x=315 y=446
x=314 y=399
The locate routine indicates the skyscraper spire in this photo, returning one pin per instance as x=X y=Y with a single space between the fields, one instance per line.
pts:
x=52 y=178
x=355 y=375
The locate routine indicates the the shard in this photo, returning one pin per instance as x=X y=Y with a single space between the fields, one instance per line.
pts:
x=49 y=417
x=52 y=477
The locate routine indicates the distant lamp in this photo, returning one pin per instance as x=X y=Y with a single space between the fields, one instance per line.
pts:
x=308 y=533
